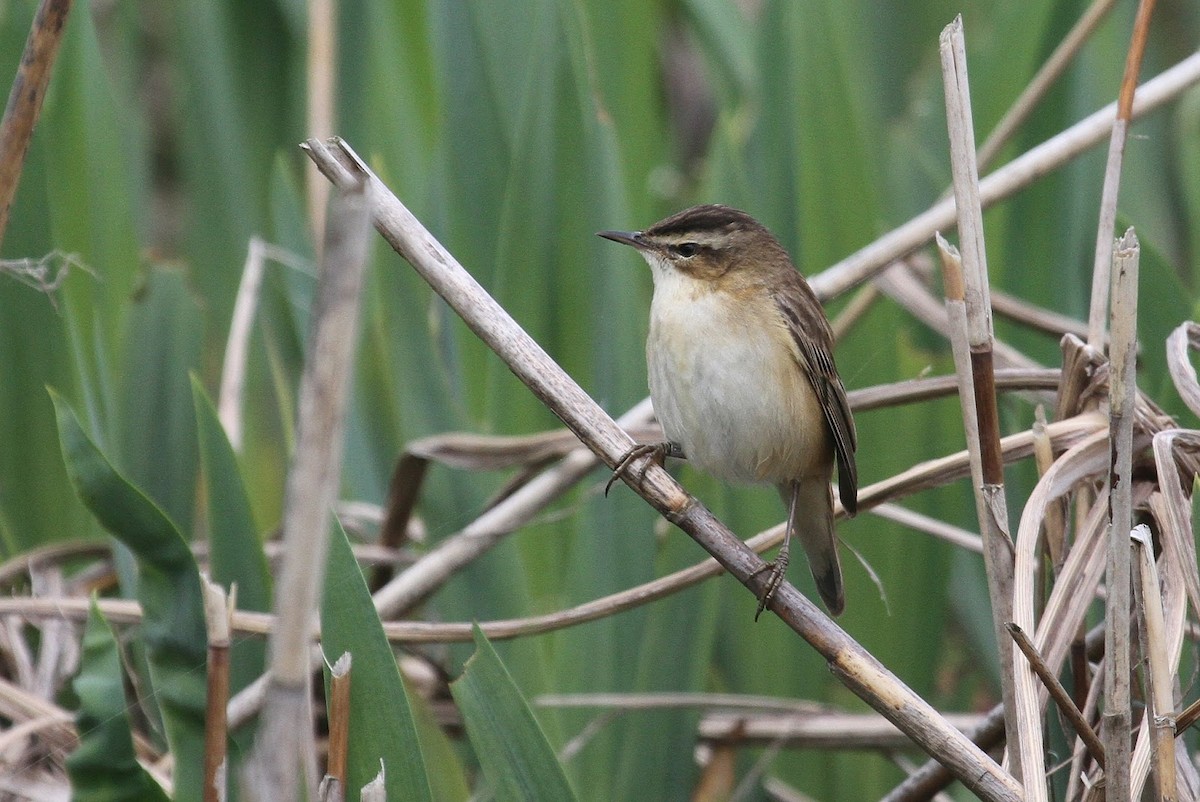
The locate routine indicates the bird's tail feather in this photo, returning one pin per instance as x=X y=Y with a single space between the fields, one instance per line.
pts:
x=813 y=527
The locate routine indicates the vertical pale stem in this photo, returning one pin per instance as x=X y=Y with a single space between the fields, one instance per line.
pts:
x=284 y=753
x=322 y=64
x=990 y=497
x=1121 y=394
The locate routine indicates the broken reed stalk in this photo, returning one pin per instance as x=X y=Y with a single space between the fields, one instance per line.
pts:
x=218 y=624
x=1161 y=707
x=1122 y=391
x=856 y=668
x=970 y=283
x=283 y=760
x=1102 y=263
x=339 y=727
x=26 y=96
x=1058 y=693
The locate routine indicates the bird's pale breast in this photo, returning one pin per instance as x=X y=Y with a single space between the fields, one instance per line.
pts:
x=727 y=387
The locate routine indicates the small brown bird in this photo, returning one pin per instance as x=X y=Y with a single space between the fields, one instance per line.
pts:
x=740 y=358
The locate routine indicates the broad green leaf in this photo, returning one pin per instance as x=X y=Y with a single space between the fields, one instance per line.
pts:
x=517 y=760
x=156 y=426
x=172 y=628
x=381 y=718
x=104 y=768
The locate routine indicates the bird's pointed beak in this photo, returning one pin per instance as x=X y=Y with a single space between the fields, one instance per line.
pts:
x=633 y=238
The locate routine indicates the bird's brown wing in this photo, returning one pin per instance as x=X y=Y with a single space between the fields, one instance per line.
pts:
x=814 y=341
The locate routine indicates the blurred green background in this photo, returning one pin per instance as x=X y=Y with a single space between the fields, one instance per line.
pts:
x=515 y=130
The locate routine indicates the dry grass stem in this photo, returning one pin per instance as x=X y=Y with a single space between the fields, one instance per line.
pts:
x=1183 y=339
x=926 y=388
x=814 y=730
x=899 y=283
x=453 y=553
x=1058 y=693
x=954 y=535
x=1055 y=525
x=1122 y=392
x=1016 y=175
x=283 y=758
x=1035 y=317
x=529 y=362
x=237 y=344
x=321 y=84
x=967 y=283
x=930 y=778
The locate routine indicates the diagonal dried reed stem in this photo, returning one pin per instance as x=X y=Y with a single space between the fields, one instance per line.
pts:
x=857 y=669
x=900 y=284
x=1037 y=87
x=26 y=96
x=453 y=553
x=1058 y=693
x=1016 y=175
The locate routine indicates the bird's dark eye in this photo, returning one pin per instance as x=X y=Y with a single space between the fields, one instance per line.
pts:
x=686 y=249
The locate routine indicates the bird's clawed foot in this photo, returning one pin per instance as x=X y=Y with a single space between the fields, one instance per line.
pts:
x=658 y=453
x=778 y=569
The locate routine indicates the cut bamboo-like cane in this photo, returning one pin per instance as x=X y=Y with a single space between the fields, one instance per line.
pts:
x=1161 y=711
x=970 y=284
x=339 y=728
x=218 y=623
x=858 y=670
x=1122 y=392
